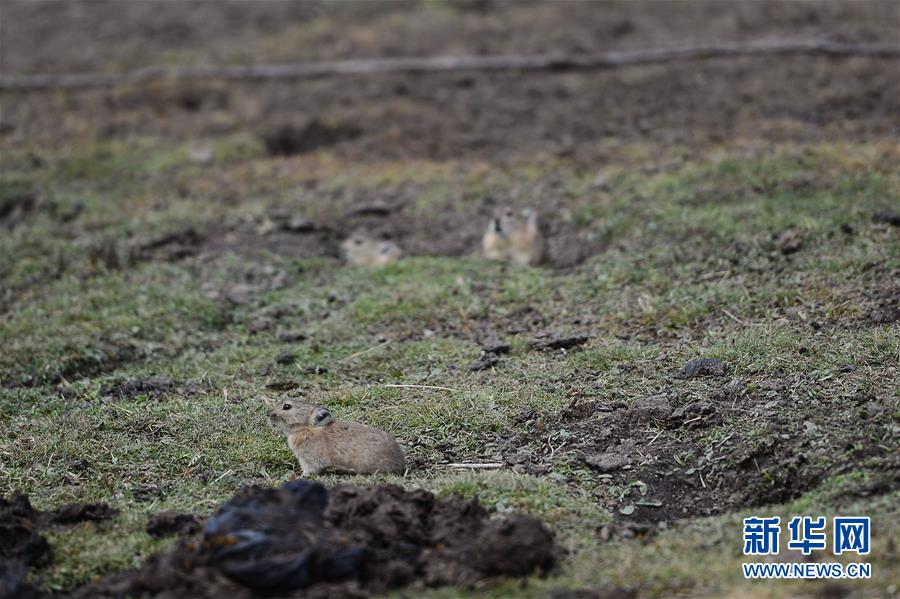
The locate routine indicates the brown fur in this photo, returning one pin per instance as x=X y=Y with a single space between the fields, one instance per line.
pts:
x=320 y=442
x=514 y=236
x=361 y=250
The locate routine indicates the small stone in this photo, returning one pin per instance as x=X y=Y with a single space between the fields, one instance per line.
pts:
x=702 y=367
x=314 y=369
x=607 y=462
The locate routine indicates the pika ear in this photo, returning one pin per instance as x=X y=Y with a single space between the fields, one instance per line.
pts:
x=321 y=417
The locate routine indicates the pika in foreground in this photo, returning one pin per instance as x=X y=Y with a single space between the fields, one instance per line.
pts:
x=361 y=250
x=514 y=237
x=320 y=442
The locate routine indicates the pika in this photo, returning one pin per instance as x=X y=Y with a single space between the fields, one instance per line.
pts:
x=514 y=237
x=361 y=250
x=320 y=442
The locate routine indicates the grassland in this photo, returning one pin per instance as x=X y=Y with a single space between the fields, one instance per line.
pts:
x=691 y=265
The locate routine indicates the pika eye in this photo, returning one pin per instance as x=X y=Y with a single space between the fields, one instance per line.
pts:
x=286 y=406
x=358 y=241
x=509 y=213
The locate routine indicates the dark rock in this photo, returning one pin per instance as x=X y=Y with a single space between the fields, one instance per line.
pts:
x=702 y=367
x=171 y=523
x=847 y=229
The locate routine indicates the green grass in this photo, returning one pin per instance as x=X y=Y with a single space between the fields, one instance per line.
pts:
x=691 y=269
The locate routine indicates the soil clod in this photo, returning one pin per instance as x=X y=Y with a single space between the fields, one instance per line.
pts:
x=291 y=336
x=609 y=461
x=73 y=513
x=288 y=140
x=487 y=360
x=153 y=386
x=888 y=218
x=556 y=341
x=286 y=358
x=789 y=241
x=172 y=523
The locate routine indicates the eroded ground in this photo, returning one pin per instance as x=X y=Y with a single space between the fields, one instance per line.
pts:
x=170 y=261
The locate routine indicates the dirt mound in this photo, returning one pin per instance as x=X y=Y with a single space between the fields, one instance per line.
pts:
x=19 y=539
x=302 y=539
x=653 y=461
x=21 y=544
